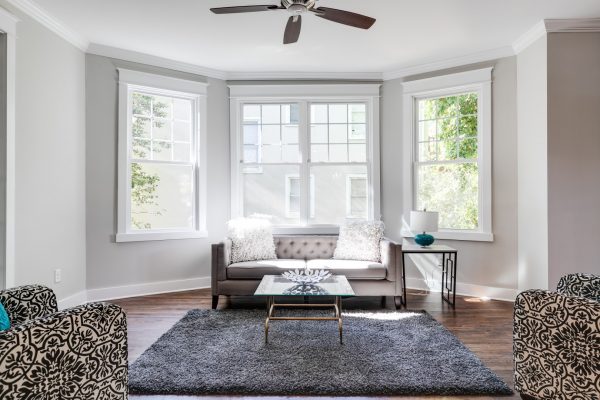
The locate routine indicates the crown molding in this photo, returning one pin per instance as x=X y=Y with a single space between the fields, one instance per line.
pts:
x=8 y=22
x=573 y=25
x=529 y=37
x=50 y=22
x=148 y=59
x=287 y=75
x=488 y=55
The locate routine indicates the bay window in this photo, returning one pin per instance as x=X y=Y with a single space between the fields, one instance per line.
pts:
x=294 y=149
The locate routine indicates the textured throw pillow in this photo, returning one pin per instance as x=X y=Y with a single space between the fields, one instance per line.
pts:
x=4 y=320
x=360 y=241
x=252 y=239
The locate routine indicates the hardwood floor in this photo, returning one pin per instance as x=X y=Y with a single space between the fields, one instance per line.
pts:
x=484 y=326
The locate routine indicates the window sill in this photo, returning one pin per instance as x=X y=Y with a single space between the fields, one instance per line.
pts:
x=155 y=236
x=455 y=235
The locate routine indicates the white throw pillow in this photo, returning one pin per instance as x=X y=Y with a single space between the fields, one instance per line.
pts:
x=252 y=239
x=360 y=241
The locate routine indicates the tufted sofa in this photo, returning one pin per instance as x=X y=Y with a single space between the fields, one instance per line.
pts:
x=367 y=278
x=557 y=340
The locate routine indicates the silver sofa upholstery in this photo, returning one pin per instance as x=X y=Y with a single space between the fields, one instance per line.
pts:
x=367 y=278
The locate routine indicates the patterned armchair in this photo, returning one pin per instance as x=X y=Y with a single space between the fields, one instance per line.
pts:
x=80 y=353
x=557 y=340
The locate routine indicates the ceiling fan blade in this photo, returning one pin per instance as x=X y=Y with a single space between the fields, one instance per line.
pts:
x=344 y=17
x=292 y=30
x=244 y=9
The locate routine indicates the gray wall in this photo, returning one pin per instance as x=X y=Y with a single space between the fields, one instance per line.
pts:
x=533 y=166
x=573 y=153
x=111 y=264
x=480 y=263
x=3 y=103
x=50 y=158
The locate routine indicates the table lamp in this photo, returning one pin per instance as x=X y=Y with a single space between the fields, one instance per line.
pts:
x=424 y=221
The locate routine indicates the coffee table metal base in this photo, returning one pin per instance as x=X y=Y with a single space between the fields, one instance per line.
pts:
x=272 y=306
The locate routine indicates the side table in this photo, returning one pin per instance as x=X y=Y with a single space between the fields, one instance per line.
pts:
x=449 y=257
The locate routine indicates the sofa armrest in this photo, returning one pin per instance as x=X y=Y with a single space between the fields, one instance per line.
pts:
x=221 y=258
x=389 y=259
x=556 y=345
x=77 y=353
x=580 y=285
x=24 y=303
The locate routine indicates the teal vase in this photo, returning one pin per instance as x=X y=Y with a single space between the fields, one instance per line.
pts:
x=424 y=240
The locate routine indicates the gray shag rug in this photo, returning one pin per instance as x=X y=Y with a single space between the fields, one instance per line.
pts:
x=384 y=353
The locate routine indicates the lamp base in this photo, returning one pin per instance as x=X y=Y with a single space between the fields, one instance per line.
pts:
x=424 y=240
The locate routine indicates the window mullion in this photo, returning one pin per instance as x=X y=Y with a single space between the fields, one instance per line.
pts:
x=304 y=141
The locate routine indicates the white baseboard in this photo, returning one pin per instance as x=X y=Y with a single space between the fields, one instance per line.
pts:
x=73 y=300
x=466 y=289
x=145 y=289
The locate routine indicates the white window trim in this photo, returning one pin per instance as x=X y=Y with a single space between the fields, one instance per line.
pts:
x=349 y=178
x=128 y=80
x=479 y=81
x=366 y=93
x=290 y=214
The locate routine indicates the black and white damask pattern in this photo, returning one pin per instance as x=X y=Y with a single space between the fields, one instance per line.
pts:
x=80 y=353
x=556 y=346
x=580 y=285
x=28 y=302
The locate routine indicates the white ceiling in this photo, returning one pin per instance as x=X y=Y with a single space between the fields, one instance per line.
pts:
x=407 y=32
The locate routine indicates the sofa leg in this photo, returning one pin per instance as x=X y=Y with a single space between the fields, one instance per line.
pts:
x=382 y=301
x=398 y=302
x=215 y=302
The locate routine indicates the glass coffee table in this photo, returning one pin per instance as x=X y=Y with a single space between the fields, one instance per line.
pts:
x=336 y=286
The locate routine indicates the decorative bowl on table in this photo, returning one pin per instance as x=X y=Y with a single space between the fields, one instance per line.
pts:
x=306 y=276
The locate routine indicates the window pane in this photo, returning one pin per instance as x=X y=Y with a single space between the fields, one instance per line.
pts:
x=338 y=153
x=357 y=113
x=161 y=151
x=447 y=150
x=447 y=107
x=140 y=149
x=318 y=113
x=181 y=151
x=468 y=126
x=140 y=127
x=290 y=134
x=182 y=131
x=468 y=149
x=161 y=196
x=251 y=113
x=427 y=130
x=251 y=133
x=358 y=208
x=182 y=109
x=468 y=103
x=358 y=153
x=294 y=186
x=453 y=191
x=338 y=133
x=141 y=104
x=162 y=107
x=338 y=113
x=358 y=187
x=271 y=134
x=427 y=151
x=427 y=109
x=271 y=114
x=291 y=153
x=319 y=153
x=251 y=154
x=318 y=134
x=265 y=193
x=271 y=154
x=290 y=114
x=358 y=133
x=331 y=192
x=161 y=130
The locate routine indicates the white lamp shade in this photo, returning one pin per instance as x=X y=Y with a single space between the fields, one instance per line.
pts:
x=424 y=221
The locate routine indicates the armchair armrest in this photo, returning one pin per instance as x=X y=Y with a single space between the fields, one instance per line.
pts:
x=389 y=259
x=24 y=303
x=556 y=345
x=221 y=258
x=580 y=285
x=80 y=353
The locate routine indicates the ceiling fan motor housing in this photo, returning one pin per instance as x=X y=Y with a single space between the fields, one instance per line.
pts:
x=298 y=7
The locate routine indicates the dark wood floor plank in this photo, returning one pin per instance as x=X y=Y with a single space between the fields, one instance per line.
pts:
x=485 y=327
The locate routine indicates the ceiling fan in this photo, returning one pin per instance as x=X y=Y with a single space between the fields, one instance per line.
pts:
x=299 y=7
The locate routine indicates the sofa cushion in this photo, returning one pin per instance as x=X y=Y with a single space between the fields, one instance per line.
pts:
x=352 y=269
x=257 y=269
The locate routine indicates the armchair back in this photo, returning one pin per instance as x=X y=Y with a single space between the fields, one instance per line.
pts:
x=25 y=303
